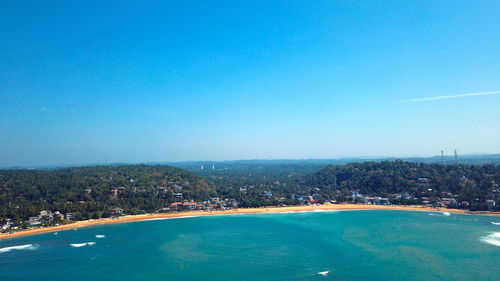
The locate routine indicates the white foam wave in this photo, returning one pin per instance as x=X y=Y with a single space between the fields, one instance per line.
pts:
x=493 y=239
x=495 y=223
x=157 y=219
x=324 y=273
x=20 y=247
x=446 y=214
x=100 y=236
x=78 y=245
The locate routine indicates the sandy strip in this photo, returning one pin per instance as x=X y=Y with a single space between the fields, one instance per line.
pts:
x=325 y=207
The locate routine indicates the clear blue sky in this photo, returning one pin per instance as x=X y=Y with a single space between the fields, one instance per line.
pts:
x=139 y=81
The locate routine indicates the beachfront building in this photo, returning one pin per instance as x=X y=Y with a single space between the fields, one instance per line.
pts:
x=445 y=202
x=8 y=224
x=176 y=206
x=32 y=221
x=490 y=203
x=377 y=201
x=384 y=201
x=304 y=198
x=43 y=217
x=189 y=205
x=233 y=203
x=46 y=216
x=58 y=216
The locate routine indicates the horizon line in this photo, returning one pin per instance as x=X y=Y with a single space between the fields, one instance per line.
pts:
x=61 y=165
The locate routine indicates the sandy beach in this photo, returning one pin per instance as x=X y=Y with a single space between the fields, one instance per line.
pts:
x=310 y=208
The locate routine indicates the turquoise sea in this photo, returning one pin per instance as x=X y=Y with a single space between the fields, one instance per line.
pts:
x=343 y=245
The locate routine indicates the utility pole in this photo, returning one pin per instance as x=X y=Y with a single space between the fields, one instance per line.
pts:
x=442 y=157
x=456 y=157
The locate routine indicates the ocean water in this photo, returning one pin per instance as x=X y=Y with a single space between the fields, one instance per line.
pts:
x=342 y=245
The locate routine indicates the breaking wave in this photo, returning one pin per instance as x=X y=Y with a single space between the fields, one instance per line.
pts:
x=100 y=236
x=156 y=219
x=20 y=247
x=78 y=245
x=495 y=223
x=493 y=239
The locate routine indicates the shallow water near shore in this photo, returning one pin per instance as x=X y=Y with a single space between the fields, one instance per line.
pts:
x=344 y=245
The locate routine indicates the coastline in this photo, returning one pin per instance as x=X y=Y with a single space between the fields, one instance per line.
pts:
x=260 y=210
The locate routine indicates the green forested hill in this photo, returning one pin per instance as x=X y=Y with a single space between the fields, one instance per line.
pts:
x=89 y=192
x=93 y=192
x=474 y=184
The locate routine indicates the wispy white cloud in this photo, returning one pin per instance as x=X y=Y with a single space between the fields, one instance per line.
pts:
x=452 y=97
x=44 y=109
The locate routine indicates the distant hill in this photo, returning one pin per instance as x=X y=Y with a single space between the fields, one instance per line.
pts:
x=305 y=166
x=469 y=159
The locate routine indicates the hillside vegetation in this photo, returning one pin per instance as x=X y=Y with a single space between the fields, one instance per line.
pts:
x=93 y=192
x=104 y=191
x=417 y=181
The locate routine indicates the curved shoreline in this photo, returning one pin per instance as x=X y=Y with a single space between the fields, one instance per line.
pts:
x=288 y=209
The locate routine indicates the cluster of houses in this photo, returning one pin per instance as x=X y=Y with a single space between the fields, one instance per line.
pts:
x=45 y=217
x=451 y=202
x=304 y=199
x=8 y=224
x=377 y=201
x=357 y=197
x=172 y=187
x=427 y=196
x=214 y=203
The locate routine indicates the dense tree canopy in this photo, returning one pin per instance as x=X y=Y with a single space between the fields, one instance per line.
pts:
x=92 y=192
x=474 y=184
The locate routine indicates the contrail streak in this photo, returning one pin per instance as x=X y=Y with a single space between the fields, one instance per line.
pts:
x=452 y=97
